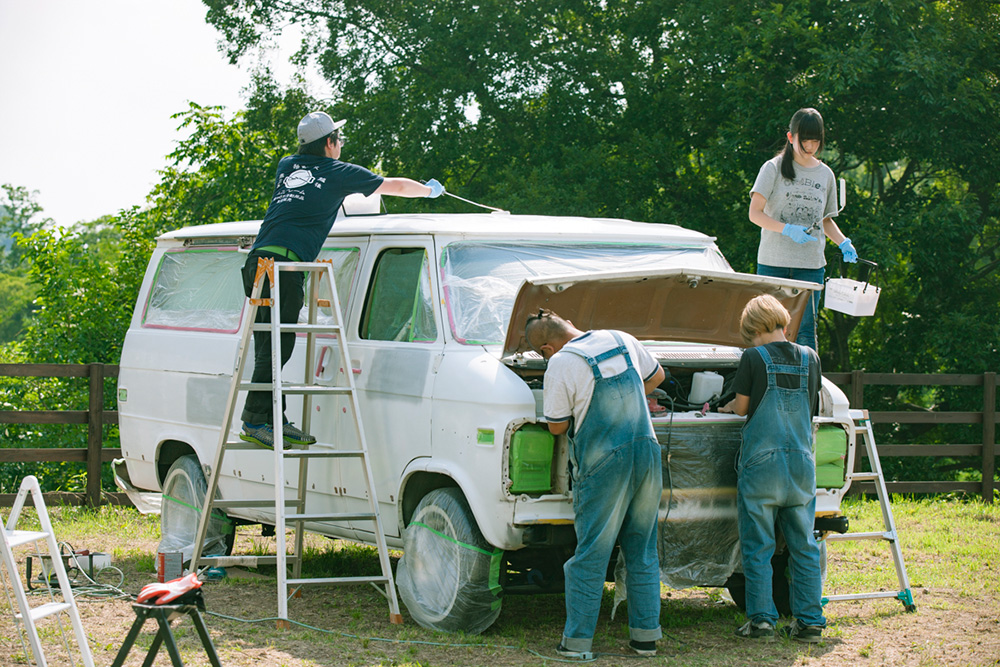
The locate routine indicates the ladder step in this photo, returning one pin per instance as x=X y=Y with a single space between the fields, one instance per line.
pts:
x=864 y=476
x=242 y=561
x=861 y=536
x=320 y=453
x=338 y=516
x=862 y=596
x=253 y=502
x=47 y=609
x=244 y=445
x=16 y=538
x=297 y=451
x=339 y=580
x=298 y=328
x=296 y=388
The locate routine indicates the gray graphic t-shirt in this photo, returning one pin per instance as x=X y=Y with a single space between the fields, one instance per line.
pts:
x=809 y=198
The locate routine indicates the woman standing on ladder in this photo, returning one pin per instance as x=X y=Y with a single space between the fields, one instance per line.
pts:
x=794 y=201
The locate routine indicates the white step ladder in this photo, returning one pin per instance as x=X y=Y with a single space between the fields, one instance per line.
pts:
x=317 y=271
x=29 y=615
x=863 y=428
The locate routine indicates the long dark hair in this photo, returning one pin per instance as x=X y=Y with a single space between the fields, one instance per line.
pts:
x=808 y=124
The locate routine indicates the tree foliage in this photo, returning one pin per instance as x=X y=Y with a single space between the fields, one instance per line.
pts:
x=663 y=110
x=224 y=168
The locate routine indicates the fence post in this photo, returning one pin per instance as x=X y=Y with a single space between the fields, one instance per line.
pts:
x=95 y=434
x=989 y=433
x=857 y=402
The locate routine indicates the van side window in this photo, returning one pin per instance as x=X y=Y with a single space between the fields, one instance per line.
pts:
x=199 y=289
x=345 y=264
x=399 y=306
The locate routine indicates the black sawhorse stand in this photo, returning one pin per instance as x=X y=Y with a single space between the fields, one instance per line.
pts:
x=163 y=615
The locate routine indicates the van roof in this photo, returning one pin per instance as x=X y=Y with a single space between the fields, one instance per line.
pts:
x=475 y=225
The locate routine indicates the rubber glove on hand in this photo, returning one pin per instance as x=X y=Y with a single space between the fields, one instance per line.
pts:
x=436 y=189
x=797 y=234
x=850 y=254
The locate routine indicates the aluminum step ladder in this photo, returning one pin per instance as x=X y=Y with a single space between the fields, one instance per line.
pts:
x=293 y=510
x=863 y=428
x=28 y=615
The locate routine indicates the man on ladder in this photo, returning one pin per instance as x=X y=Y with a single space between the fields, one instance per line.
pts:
x=309 y=188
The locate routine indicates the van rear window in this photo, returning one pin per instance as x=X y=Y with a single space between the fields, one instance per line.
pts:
x=199 y=289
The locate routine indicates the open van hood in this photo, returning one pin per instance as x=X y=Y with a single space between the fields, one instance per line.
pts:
x=678 y=304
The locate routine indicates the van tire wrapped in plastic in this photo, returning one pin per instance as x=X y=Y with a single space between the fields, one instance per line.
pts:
x=780 y=582
x=737 y=586
x=184 y=490
x=449 y=574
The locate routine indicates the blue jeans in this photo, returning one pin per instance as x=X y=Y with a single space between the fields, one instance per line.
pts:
x=807 y=329
x=617 y=484
x=776 y=484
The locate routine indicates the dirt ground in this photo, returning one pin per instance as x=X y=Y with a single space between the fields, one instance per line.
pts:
x=953 y=628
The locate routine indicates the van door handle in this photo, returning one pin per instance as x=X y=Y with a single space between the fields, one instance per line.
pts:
x=320 y=367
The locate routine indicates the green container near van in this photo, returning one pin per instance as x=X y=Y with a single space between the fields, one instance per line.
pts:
x=831 y=456
x=531 y=459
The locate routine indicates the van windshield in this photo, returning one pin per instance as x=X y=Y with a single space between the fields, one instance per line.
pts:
x=481 y=279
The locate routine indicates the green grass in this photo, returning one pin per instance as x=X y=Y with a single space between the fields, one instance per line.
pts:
x=946 y=543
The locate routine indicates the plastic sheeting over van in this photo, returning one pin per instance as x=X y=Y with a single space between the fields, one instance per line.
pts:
x=481 y=280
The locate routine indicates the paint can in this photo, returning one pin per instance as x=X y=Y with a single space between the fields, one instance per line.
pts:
x=169 y=565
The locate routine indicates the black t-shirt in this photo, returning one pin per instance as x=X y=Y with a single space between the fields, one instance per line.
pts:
x=751 y=376
x=308 y=190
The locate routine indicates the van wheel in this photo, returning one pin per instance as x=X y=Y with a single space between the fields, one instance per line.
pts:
x=184 y=492
x=737 y=586
x=448 y=576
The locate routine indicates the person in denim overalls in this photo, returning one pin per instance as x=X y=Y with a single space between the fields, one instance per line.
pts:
x=777 y=384
x=595 y=393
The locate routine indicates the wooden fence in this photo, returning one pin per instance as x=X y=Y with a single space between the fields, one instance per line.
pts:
x=95 y=455
x=854 y=384
x=95 y=417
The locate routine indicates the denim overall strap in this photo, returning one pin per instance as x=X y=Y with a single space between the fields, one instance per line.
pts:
x=773 y=423
x=617 y=484
x=776 y=484
x=594 y=362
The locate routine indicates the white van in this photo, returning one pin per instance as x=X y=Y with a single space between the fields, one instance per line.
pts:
x=470 y=483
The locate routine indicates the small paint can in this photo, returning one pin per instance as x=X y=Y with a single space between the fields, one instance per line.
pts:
x=169 y=565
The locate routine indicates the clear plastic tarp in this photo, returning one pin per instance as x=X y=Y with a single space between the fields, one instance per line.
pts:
x=197 y=289
x=202 y=289
x=183 y=497
x=449 y=576
x=481 y=279
x=698 y=536
x=345 y=264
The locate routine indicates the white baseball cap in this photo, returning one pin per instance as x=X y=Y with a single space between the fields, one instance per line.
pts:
x=317 y=125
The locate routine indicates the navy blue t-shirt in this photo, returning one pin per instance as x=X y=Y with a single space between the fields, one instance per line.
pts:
x=308 y=190
x=751 y=376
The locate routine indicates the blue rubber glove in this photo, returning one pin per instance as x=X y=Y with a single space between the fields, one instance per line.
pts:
x=797 y=234
x=850 y=254
x=436 y=189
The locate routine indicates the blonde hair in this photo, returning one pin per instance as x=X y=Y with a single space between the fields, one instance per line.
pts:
x=762 y=314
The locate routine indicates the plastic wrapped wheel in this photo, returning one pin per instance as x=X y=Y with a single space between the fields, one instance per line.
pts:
x=737 y=586
x=780 y=582
x=449 y=574
x=184 y=492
